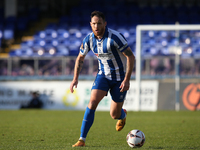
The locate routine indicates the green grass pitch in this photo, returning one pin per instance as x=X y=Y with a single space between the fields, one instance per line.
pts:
x=59 y=130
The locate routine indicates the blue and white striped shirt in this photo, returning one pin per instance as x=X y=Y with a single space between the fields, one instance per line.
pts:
x=112 y=63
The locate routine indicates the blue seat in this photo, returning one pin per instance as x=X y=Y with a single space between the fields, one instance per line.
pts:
x=164 y=42
x=63 y=41
x=39 y=35
x=131 y=41
x=38 y=51
x=8 y=33
x=26 y=52
x=195 y=42
x=48 y=42
x=55 y=42
x=73 y=50
x=75 y=41
x=165 y=51
x=187 y=51
x=132 y=31
x=49 y=50
x=85 y=31
x=27 y=43
x=50 y=33
x=62 y=50
x=51 y=42
x=75 y=33
x=124 y=32
x=163 y=34
x=196 y=52
x=149 y=51
x=22 y=52
x=62 y=33
x=39 y=42
x=12 y=53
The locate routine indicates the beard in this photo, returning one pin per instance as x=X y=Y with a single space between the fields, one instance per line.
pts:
x=99 y=33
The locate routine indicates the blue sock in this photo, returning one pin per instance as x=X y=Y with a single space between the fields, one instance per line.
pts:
x=87 y=122
x=123 y=114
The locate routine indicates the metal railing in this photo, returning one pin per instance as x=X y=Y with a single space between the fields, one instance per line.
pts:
x=61 y=68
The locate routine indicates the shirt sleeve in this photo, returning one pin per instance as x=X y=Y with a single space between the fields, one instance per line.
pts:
x=84 y=49
x=120 y=42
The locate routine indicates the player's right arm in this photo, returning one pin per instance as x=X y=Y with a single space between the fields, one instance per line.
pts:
x=77 y=69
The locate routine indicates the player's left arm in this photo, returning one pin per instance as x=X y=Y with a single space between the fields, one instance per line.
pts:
x=129 y=68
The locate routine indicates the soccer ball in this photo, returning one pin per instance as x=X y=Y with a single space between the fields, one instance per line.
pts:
x=135 y=138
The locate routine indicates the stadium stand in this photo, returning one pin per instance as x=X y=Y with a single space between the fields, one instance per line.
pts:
x=63 y=36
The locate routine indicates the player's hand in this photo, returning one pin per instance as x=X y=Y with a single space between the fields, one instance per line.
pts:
x=72 y=85
x=124 y=86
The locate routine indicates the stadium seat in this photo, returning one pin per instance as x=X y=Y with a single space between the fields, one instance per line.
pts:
x=40 y=42
x=131 y=41
x=132 y=31
x=63 y=41
x=8 y=33
x=165 y=51
x=39 y=35
x=62 y=50
x=149 y=51
x=187 y=52
x=75 y=33
x=85 y=31
x=50 y=33
x=196 y=52
x=38 y=51
x=51 y=42
x=195 y=42
x=22 y=52
x=49 y=51
x=124 y=32
x=75 y=41
x=73 y=50
x=66 y=35
x=28 y=43
x=62 y=33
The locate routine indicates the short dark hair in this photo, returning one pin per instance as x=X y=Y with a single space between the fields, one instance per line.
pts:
x=98 y=14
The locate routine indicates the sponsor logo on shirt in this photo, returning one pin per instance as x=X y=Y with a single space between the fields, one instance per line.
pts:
x=104 y=55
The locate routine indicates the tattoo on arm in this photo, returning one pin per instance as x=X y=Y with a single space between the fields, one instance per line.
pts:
x=79 y=66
